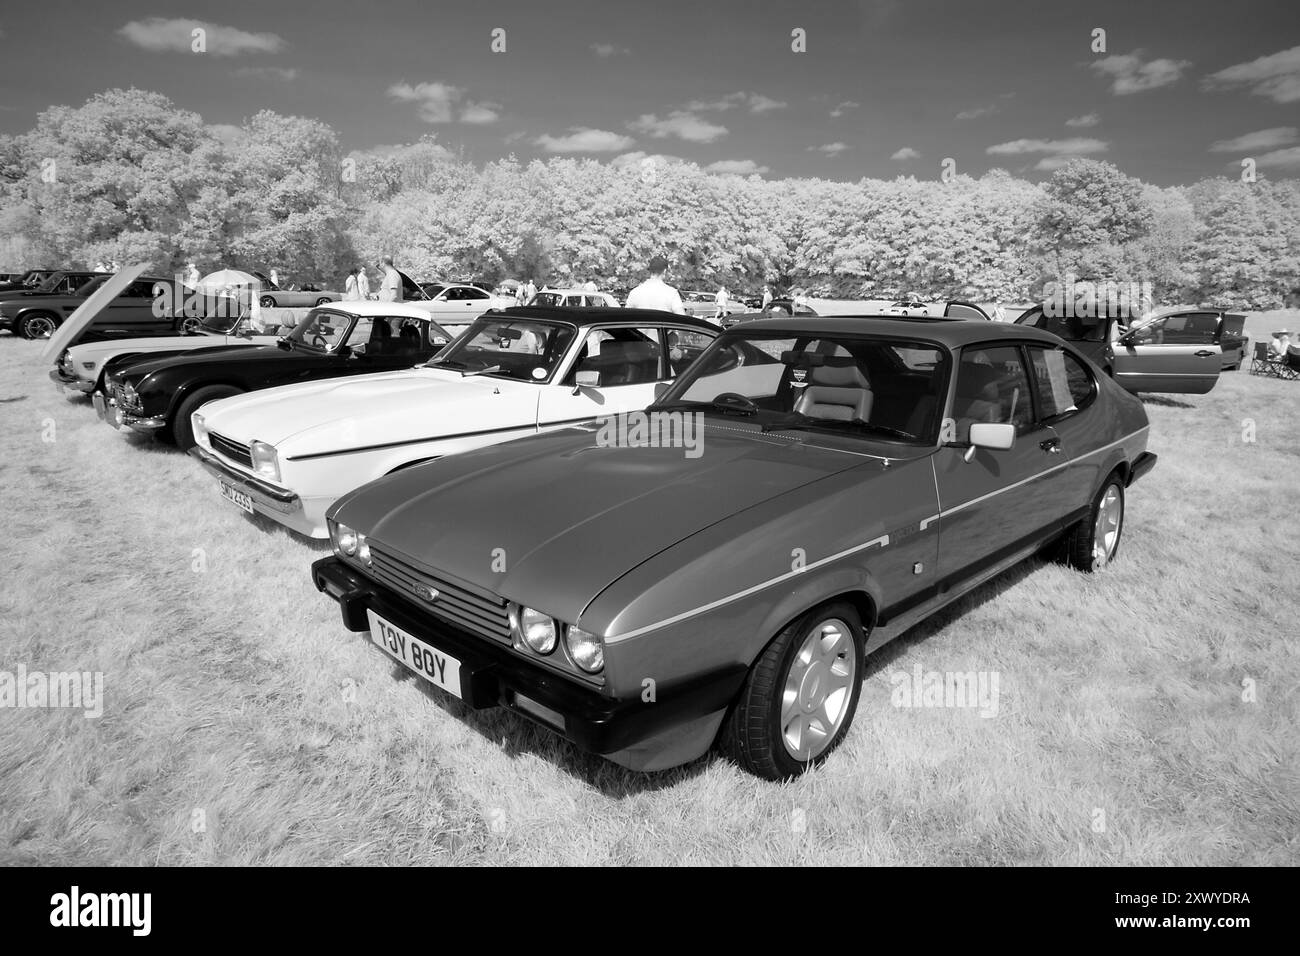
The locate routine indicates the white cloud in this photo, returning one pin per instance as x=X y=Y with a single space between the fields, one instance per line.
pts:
x=830 y=149
x=1260 y=139
x=681 y=124
x=906 y=153
x=1075 y=146
x=754 y=102
x=842 y=108
x=1276 y=76
x=1087 y=119
x=1288 y=158
x=582 y=139
x=608 y=49
x=638 y=157
x=480 y=114
x=1128 y=74
x=272 y=72
x=736 y=167
x=442 y=102
x=176 y=35
x=978 y=111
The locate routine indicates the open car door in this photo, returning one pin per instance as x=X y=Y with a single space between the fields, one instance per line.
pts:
x=964 y=310
x=1173 y=353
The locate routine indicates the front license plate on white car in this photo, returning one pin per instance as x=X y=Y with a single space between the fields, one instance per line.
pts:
x=435 y=666
x=231 y=493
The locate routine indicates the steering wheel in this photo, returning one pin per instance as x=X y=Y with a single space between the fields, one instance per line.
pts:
x=736 y=399
x=318 y=341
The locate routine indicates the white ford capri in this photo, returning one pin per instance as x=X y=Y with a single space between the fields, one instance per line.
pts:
x=290 y=452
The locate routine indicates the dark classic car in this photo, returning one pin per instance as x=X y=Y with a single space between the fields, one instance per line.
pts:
x=26 y=280
x=53 y=283
x=141 y=308
x=1182 y=351
x=851 y=476
x=159 y=395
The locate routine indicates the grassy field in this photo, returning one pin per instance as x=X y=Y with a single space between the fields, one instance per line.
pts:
x=243 y=725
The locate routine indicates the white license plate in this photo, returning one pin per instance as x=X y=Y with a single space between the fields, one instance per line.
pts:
x=238 y=497
x=435 y=666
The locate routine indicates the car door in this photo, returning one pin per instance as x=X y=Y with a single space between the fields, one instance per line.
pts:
x=995 y=503
x=1232 y=339
x=1065 y=395
x=630 y=362
x=1174 y=353
x=134 y=309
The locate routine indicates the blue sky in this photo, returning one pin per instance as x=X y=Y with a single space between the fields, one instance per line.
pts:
x=1183 y=89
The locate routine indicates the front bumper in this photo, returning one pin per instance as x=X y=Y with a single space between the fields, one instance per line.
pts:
x=266 y=495
x=493 y=676
x=110 y=410
x=62 y=380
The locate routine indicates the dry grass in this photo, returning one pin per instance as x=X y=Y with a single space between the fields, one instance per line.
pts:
x=229 y=690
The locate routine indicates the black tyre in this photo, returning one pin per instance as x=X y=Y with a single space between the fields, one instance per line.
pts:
x=798 y=701
x=189 y=323
x=324 y=300
x=267 y=302
x=182 y=429
x=37 y=325
x=1093 y=543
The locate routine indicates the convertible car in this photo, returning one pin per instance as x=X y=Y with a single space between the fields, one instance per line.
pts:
x=514 y=373
x=648 y=603
x=159 y=395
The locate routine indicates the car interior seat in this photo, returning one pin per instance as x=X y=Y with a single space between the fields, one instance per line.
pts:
x=838 y=392
x=977 y=398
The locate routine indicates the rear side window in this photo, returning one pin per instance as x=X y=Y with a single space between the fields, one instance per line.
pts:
x=1064 y=384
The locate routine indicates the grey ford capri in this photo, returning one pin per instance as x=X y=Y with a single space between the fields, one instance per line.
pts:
x=713 y=571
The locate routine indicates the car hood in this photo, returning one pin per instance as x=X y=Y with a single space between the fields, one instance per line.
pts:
x=217 y=355
x=567 y=517
x=316 y=418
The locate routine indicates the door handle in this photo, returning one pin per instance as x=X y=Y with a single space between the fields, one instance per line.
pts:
x=1051 y=445
x=1202 y=353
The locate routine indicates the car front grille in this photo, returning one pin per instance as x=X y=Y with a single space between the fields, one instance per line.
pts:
x=231 y=449
x=463 y=605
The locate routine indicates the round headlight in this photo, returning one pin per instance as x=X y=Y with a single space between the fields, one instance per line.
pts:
x=346 y=539
x=538 y=630
x=586 y=648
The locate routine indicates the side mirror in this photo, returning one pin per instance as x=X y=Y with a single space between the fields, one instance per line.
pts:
x=587 y=379
x=661 y=389
x=283 y=343
x=998 y=436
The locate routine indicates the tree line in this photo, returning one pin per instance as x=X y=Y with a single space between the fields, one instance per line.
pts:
x=130 y=177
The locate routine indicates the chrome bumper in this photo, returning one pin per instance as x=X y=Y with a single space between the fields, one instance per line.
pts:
x=109 y=411
x=262 y=493
x=62 y=381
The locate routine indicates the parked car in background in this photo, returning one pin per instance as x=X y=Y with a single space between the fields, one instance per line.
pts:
x=910 y=304
x=133 y=312
x=56 y=283
x=271 y=296
x=516 y=373
x=81 y=366
x=1179 y=352
x=26 y=280
x=575 y=299
x=456 y=305
x=160 y=395
x=704 y=304
x=901 y=462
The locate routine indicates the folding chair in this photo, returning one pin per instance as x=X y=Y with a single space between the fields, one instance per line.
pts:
x=1260 y=363
x=1290 y=370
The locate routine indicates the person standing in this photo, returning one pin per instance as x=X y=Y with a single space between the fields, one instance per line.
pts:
x=192 y=276
x=767 y=297
x=363 y=283
x=655 y=293
x=275 y=278
x=720 y=300
x=350 y=292
x=390 y=289
x=530 y=290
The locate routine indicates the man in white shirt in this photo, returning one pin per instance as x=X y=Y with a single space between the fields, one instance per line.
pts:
x=767 y=297
x=530 y=290
x=655 y=293
x=391 y=289
x=363 y=284
x=720 y=300
x=350 y=286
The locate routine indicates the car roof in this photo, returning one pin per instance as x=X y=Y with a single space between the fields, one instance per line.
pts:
x=370 y=307
x=604 y=315
x=573 y=291
x=950 y=332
